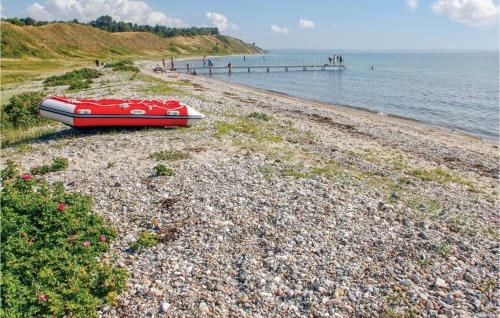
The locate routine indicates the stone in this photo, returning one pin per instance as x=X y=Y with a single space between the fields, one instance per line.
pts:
x=339 y=292
x=203 y=308
x=469 y=278
x=440 y=283
x=165 y=306
x=244 y=299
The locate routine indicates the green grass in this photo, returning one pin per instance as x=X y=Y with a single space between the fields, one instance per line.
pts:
x=179 y=83
x=157 y=86
x=249 y=127
x=169 y=155
x=17 y=71
x=164 y=171
x=295 y=171
x=441 y=176
x=58 y=164
x=438 y=175
x=18 y=137
x=51 y=249
x=260 y=116
x=444 y=250
x=332 y=169
x=145 y=240
x=163 y=89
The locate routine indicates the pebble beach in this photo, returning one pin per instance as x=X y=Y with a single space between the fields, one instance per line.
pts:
x=282 y=207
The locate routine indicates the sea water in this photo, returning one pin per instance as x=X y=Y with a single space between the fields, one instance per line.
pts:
x=457 y=90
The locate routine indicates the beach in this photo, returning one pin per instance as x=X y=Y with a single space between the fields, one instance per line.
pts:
x=282 y=207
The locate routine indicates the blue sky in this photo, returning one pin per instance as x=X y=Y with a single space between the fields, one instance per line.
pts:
x=344 y=24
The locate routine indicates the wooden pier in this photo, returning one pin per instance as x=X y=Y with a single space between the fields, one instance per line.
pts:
x=261 y=68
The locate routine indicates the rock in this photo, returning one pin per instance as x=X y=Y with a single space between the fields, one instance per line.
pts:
x=440 y=283
x=244 y=299
x=165 y=306
x=406 y=282
x=387 y=207
x=352 y=297
x=156 y=292
x=203 y=307
x=422 y=235
x=469 y=278
x=339 y=292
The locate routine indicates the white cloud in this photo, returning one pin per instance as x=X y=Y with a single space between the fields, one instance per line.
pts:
x=279 y=30
x=135 y=11
x=221 y=22
x=37 y=11
x=471 y=12
x=412 y=4
x=306 y=24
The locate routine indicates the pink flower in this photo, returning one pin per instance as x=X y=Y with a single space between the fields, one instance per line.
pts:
x=62 y=206
x=86 y=244
x=42 y=297
x=27 y=177
x=102 y=238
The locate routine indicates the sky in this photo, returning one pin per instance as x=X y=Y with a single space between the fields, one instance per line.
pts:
x=311 y=24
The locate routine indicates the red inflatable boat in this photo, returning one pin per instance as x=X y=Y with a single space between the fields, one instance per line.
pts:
x=116 y=112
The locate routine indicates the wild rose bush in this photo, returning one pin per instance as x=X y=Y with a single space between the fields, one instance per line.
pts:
x=50 y=243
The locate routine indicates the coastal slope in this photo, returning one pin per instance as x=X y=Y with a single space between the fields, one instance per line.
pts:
x=72 y=40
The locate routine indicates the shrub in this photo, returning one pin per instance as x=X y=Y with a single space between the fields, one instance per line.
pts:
x=162 y=170
x=146 y=239
x=22 y=111
x=171 y=155
x=10 y=171
x=119 y=64
x=125 y=66
x=58 y=164
x=76 y=85
x=72 y=77
x=51 y=243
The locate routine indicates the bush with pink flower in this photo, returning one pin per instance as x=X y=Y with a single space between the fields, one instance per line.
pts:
x=51 y=243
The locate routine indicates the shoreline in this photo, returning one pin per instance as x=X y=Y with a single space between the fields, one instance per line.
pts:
x=356 y=111
x=448 y=130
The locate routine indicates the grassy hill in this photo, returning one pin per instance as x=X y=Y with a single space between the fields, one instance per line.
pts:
x=70 y=40
x=29 y=51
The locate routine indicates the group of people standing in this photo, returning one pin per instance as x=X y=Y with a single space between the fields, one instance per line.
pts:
x=172 y=65
x=335 y=59
x=207 y=61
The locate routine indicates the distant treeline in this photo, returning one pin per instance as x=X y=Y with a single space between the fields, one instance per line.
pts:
x=107 y=23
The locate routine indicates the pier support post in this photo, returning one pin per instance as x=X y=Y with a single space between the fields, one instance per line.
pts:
x=286 y=69
x=248 y=70
x=268 y=69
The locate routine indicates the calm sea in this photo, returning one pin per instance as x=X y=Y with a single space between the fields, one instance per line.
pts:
x=454 y=90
